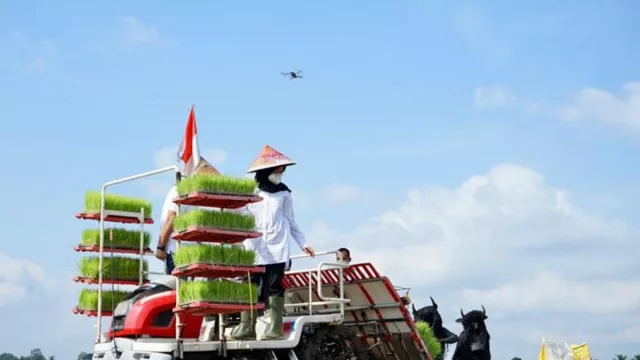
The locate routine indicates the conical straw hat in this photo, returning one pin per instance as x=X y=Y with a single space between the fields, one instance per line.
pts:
x=204 y=168
x=269 y=158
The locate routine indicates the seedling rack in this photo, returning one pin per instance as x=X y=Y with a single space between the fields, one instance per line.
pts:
x=110 y=209
x=114 y=216
x=214 y=230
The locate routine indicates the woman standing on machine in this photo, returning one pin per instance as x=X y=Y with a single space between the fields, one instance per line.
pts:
x=275 y=220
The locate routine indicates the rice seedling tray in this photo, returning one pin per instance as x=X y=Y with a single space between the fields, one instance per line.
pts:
x=203 y=308
x=112 y=218
x=90 y=313
x=115 y=202
x=107 y=248
x=123 y=270
x=88 y=301
x=116 y=238
x=206 y=254
x=215 y=271
x=217 y=200
x=214 y=226
x=216 y=191
x=206 y=234
x=217 y=292
x=105 y=280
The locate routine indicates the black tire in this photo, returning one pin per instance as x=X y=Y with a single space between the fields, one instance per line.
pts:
x=332 y=342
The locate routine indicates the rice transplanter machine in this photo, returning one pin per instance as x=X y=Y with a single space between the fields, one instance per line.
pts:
x=332 y=311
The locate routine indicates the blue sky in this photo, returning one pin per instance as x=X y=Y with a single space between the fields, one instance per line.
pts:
x=93 y=91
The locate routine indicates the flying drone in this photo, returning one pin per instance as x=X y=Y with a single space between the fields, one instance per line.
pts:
x=293 y=74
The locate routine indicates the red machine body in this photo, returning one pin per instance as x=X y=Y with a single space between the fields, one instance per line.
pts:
x=153 y=316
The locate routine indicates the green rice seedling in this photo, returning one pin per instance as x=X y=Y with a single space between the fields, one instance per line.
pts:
x=231 y=256
x=214 y=219
x=116 y=203
x=122 y=238
x=213 y=255
x=430 y=341
x=246 y=257
x=218 y=291
x=116 y=267
x=216 y=184
x=110 y=299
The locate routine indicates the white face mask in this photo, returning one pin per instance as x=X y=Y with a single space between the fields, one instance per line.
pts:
x=275 y=178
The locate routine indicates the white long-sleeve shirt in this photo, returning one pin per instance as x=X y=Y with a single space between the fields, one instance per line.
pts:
x=276 y=221
x=167 y=206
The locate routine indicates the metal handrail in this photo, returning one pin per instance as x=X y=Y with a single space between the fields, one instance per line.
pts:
x=318 y=270
x=321 y=253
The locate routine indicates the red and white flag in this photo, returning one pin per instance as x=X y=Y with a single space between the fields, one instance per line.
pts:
x=189 y=151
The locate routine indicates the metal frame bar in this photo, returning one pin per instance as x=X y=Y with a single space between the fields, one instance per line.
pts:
x=351 y=308
x=141 y=257
x=325 y=301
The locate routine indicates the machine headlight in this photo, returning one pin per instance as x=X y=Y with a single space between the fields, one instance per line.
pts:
x=122 y=309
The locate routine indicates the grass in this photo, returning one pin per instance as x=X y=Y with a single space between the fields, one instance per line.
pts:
x=116 y=267
x=218 y=291
x=216 y=184
x=213 y=219
x=110 y=299
x=214 y=255
x=430 y=341
x=122 y=238
x=116 y=202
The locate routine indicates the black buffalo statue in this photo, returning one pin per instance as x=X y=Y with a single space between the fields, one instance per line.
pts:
x=431 y=316
x=473 y=343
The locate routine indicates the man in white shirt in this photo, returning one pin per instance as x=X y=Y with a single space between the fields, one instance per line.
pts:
x=166 y=245
x=343 y=256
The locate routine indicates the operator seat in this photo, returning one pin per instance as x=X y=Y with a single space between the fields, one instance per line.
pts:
x=167 y=280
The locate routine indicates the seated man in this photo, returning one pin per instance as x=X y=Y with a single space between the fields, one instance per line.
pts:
x=405 y=299
x=166 y=245
x=343 y=256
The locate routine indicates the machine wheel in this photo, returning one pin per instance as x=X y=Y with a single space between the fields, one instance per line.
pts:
x=332 y=342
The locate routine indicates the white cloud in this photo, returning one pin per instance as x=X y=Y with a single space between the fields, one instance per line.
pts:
x=32 y=297
x=501 y=96
x=596 y=104
x=343 y=194
x=16 y=276
x=550 y=291
x=505 y=239
x=589 y=103
x=135 y=32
